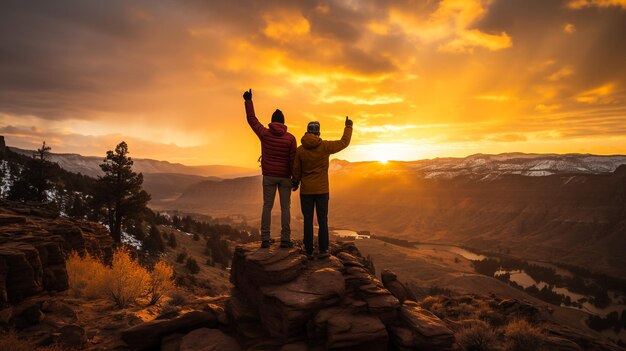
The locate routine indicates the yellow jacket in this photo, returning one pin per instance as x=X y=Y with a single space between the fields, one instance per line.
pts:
x=311 y=164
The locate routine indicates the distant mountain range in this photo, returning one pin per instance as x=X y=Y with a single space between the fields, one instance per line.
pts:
x=568 y=208
x=90 y=165
x=564 y=208
x=482 y=166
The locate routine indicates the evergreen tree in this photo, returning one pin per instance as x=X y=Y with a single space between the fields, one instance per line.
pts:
x=77 y=207
x=192 y=265
x=171 y=242
x=154 y=241
x=31 y=182
x=119 y=191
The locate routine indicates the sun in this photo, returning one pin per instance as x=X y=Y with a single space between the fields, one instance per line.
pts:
x=383 y=161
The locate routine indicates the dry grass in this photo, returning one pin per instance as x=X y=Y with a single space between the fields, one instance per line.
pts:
x=160 y=281
x=127 y=279
x=523 y=336
x=477 y=337
x=123 y=283
x=87 y=275
x=10 y=342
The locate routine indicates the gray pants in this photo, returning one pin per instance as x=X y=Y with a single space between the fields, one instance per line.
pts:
x=270 y=184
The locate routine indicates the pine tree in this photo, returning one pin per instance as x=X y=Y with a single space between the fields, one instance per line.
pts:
x=192 y=265
x=32 y=181
x=154 y=241
x=119 y=191
x=171 y=242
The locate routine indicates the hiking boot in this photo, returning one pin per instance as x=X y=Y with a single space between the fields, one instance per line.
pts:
x=265 y=244
x=286 y=244
x=323 y=255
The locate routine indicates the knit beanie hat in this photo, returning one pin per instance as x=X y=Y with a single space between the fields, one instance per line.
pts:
x=313 y=128
x=277 y=116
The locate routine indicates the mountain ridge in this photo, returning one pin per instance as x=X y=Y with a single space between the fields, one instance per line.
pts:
x=89 y=165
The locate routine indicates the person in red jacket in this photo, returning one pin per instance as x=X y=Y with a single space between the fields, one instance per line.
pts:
x=278 y=150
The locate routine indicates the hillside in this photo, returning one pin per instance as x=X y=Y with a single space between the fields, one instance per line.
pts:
x=577 y=218
x=90 y=166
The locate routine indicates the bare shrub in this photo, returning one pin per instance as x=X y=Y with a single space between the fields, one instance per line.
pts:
x=178 y=299
x=160 y=281
x=477 y=337
x=438 y=309
x=127 y=279
x=87 y=276
x=522 y=336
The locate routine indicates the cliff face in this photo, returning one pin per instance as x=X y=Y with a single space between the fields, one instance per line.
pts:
x=34 y=242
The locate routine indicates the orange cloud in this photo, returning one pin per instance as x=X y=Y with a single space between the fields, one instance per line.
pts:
x=579 y=4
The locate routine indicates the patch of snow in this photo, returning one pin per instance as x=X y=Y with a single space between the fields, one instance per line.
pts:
x=6 y=182
x=131 y=240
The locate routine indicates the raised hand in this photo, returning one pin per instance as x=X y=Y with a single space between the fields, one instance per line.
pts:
x=247 y=95
x=348 y=122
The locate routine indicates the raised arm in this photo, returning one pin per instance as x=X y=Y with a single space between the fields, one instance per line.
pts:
x=254 y=123
x=338 y=145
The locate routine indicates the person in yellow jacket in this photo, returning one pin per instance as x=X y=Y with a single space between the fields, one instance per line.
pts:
x=310 y=168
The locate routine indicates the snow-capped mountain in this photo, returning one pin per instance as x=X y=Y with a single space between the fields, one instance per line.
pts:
x=90 y=165
x=482 y=166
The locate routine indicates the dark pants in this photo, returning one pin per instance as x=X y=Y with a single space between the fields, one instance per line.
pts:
x=319 y=204
x=270 y=185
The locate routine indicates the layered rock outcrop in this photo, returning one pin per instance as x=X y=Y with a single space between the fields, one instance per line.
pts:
x=335 y=303
x=34 y=242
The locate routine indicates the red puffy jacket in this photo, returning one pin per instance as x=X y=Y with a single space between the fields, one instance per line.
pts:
x=278 y=147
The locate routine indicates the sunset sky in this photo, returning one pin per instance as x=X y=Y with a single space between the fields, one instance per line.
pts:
x=420 y=79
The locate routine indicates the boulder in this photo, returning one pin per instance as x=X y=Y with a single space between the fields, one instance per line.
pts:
x=397 y=289
x=257 y=266
x=72 y=337
x=555 y=343
x=286 y=308
x=171 y=342
x=205 y=339
x=337 y=328
x=147 y=336
x=420 y=329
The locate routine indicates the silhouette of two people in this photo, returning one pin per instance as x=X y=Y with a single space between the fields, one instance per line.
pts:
x=286 y=167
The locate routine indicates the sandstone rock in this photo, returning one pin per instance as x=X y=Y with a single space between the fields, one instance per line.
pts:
x=397 y=289
x=427 y=331
x=273 y=265
x=33 y=244
x=72 y=336
x=205 y=339
x=171 y=342
x=349 y=260
x=148 y=335
x=344 y=246
x=286 y=308
x=555 y=343
x=11 y=219
x=294 y=347
x=339 y=329
x=291 y=292
x=513 y=308
x=33 y=314
x=280 y=300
